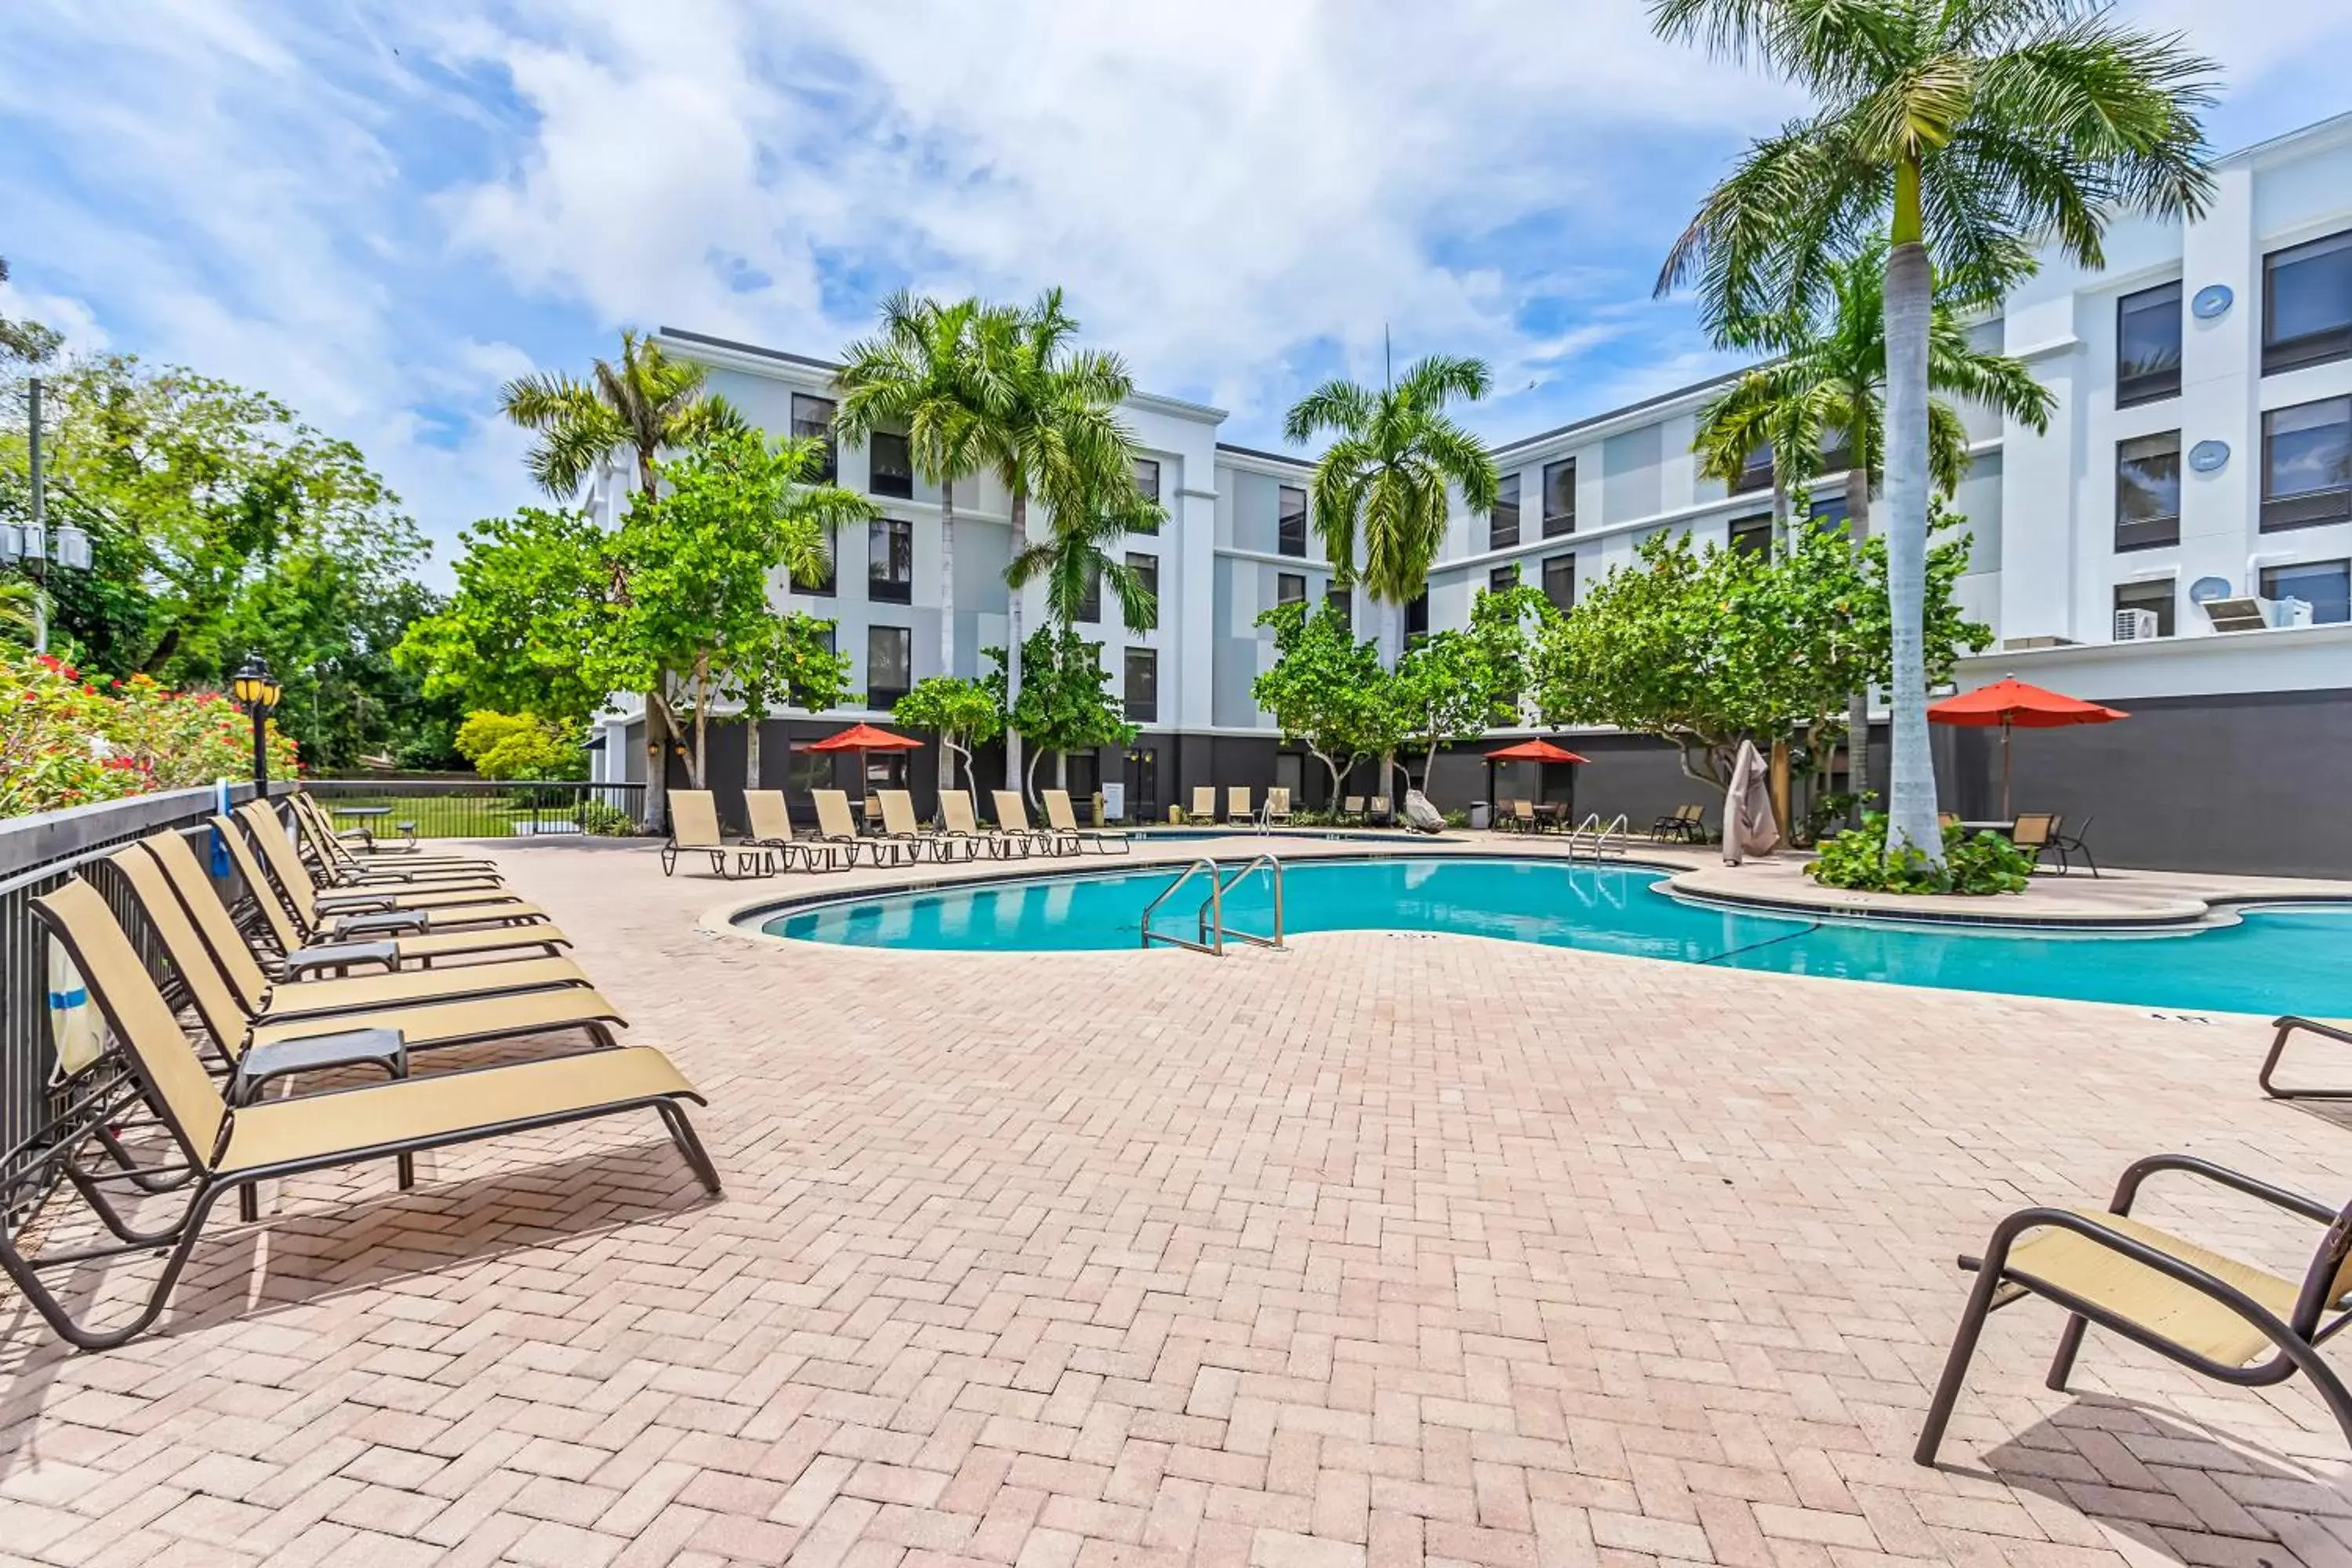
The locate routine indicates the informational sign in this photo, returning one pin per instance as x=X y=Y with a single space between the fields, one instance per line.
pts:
x=1114 y=793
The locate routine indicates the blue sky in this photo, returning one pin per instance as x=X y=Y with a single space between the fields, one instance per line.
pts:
x=381 y=209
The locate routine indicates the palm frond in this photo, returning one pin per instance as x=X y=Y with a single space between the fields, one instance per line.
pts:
x=1337 y=404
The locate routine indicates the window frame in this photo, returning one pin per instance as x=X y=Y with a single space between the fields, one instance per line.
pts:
x=1500 y=534
x=906 y=640
x=881 y=534
x=2167 y=612
x=1343 y=600
x=1749 y=527
x=1753 y=475
x=1148 y=659
x=2149 y=386
x=2157 y=532
x=1556 y=524
x=820 y=429
x=1284 y=534
x=1090 y=600
x=1283 y=581
x=2323 y=347
x=1145 y=564
x=2344 y=567
x=1149 y=492
x=1567 y=559
x=831 y=586
x=1416 y=609
x=1503 y=578
x=874 y=477
x=2303 y=509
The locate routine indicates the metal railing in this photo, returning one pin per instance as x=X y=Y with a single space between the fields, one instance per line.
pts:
x=1590 y=837
x=1210 y=931
x=395 y=809
x=1204 y=944
x=1273 y=868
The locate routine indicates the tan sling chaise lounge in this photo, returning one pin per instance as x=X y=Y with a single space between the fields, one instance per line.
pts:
x=1204 y=804
x=838 y=825
x=1013 y=817
x=2211 y=1313
x=961 y=823
x=331 y=847
x=694 y=830
x=314 y=903
x=900 y=826
x=229 y=1149
x=772 y=832
x=1064 y=824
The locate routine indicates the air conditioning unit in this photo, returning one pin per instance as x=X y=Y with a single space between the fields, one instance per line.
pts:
x=2290 y=612
x=2242 y=613
x=2135 y=626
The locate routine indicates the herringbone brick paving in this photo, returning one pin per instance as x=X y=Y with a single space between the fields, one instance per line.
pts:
x=1385 y=1249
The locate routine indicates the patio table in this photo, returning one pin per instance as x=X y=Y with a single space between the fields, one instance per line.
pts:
x=2004 y=828
x=365 y=817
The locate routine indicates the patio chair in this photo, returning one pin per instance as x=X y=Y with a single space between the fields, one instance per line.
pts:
x=2287 y=1028
x=2034 y=834
x=451 y=906
x=2231 y=1320
x=1278 y=807
x=771 y=830
x=1351 y=809
x=305 y=940
x=838 y=826
x=1012 y=818
x=1380 y=811
x=229 y=1147
x=2070 y=845
x=961 y=824
x=1237 y=804
x=900 y=826
x=1204 y=804
x=337 y=863
x=694 y=830
x=333 y=843
x=1520 y=817
x=1064 y=824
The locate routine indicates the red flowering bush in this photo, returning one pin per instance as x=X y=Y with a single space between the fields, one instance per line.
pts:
x=65 y=740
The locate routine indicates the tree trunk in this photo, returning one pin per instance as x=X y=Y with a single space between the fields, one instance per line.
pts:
x=701 y=722
x=1911 y=783
x=1029 y=777
x=1857 y=707
x=1061 y=770
x=1779 y=513
x=1012 y=769
x=946 y=588
x=656 y=765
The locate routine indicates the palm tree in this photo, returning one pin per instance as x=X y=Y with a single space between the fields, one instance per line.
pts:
x=1382 y=486
x=644 y=402
x=1965 y=131
x=1049 y=424
x=1080 y=556
x=916 y=374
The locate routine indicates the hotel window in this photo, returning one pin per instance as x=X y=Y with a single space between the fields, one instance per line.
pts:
x=1756 y=474
x=2148 y=491
x=1503 y=522
x=812 y=420
x=1290 y=589
x=1090 y=599
x=1416 y=617
x=2307 y=465
x=1147 y=477
x=824 y=586
x=2324 y=586
x=2148 y=345
x=1142 y=692
x=890 y=560
x=889 y=665
x=1147 y=567
x=890 y=470
x=2155 y=594
x=2307 y=304
x=1560 y=582
x=1503 y=579
x=1341 y=603
x=1290 y=522
x=1753 y=535
x=1559 y=497
x=1830 y=515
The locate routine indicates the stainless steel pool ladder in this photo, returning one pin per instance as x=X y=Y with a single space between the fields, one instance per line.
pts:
x=1209 y=923
x=1590 y=837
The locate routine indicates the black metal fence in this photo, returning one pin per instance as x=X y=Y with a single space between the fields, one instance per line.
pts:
x=478 y=808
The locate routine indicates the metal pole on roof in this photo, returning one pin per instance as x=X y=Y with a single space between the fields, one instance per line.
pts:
x=40 y=539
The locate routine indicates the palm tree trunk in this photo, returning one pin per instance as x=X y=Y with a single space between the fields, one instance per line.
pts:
x=1012 y=769
x=947 y=583
x=1779 y=514
x=1857 y=706
x=1911 y=782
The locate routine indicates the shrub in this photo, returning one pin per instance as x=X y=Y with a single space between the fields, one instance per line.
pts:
x=1983 y=864
x=606 y=820
x=65 y=741
x=519 y=746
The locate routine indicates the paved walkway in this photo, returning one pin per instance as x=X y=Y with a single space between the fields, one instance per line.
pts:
x=1388 y=1248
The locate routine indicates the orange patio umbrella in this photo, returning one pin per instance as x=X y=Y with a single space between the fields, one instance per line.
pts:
x=2013 y=704
x=862 y=739
x=1525 y=752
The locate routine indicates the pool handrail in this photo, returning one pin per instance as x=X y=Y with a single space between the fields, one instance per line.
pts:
x=1213 y=944
x=1274 y=871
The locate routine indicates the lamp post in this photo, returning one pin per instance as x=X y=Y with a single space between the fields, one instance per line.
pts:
x=257 y=692
x=36 y=546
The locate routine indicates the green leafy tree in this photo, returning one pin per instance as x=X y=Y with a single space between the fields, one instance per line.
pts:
x=1050 y=426
x=790 y=663
x=1380 y=488
x=1704 y=649
x=1456 y=684
x=917 y=374
x=519 y=746
x=27 y=342
x=963 y=713
x=1066 y=704
x=694 y=555
x=1965 y=131
x=1328 y=692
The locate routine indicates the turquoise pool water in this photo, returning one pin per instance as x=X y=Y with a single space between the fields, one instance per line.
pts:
x=2287 y=959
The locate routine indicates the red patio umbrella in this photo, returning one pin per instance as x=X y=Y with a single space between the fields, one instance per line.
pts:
x=2011 y=703
x=1525 y=751
x=862 y=739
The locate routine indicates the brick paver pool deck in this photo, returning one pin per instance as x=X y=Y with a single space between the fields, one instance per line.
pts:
x=1389 y=1248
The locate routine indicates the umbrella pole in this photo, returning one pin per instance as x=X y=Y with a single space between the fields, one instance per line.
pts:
x=2004 y=771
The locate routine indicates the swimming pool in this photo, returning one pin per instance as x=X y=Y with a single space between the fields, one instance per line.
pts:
x=2280 y=959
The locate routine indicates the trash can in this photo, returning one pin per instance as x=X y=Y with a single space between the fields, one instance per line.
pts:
x=1481 y=815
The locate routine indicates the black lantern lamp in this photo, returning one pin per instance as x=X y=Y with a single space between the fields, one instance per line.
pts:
x=257 y=692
